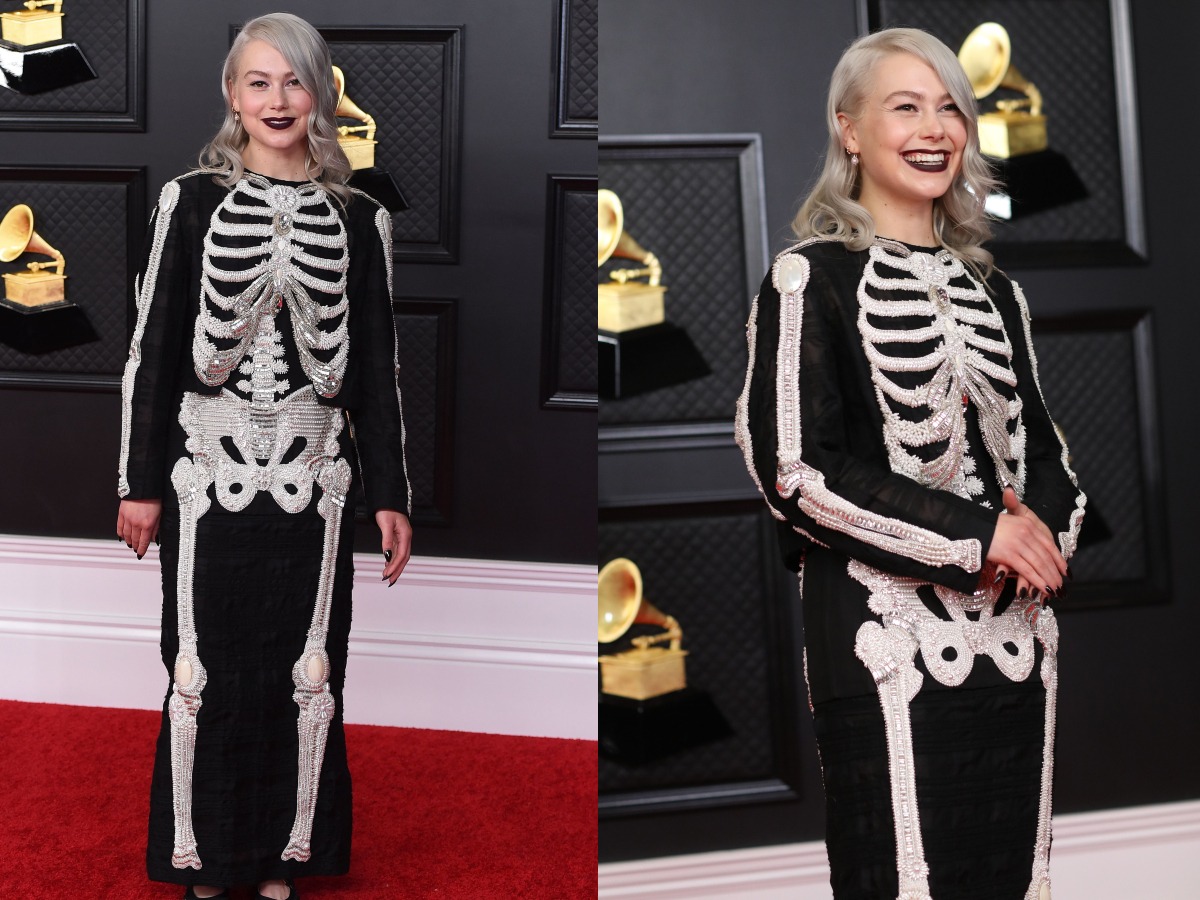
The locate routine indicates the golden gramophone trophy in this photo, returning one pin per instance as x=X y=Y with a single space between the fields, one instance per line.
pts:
x=638 y=350
x=647 y=710
x=33 y=55
x=358 y=143
x=35 y=286
x=1034 y=176
x=648 y=670
x=623 y=303
x=35 y=316
x=1015 y=127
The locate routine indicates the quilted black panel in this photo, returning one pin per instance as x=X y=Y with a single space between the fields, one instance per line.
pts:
x=99 y=27
x=688 y=212
x=583 y=37
x=1064 y=47
x=1090 y=384
x=718 y=599
x=423 y=331
x=402 y=84
x=569 y=351
x=87 y=223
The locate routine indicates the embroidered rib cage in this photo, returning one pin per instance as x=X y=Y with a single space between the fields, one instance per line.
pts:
x=271 y=246
x=962 y=356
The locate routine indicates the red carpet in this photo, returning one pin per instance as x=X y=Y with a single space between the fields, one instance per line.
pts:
x=437 y=813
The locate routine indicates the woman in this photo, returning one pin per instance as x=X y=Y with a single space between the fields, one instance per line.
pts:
x=261 y=381
x=893 y=420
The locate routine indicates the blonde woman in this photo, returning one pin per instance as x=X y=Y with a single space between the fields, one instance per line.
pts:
x=893 y=420
x=259 y=400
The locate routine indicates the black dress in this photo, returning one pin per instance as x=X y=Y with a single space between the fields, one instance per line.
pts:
x=259 y=398
x=890 y=398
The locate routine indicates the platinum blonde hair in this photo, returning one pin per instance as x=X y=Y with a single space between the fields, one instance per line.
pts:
x=308 y=55
x=832 y=209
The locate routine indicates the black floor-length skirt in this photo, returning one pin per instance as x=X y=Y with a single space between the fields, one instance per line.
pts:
x=978 y=764
x=255 y=586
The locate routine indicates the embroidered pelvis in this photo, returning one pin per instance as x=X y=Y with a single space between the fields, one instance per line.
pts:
x=889 y=651
x=266 y=432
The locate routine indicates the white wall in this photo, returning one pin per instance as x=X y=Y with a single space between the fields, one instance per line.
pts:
x=465 y=645
x=1142 y=853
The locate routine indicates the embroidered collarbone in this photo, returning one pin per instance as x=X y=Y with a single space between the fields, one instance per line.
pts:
x=962 y=355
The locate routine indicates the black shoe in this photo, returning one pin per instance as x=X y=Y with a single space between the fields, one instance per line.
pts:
x=190 y=894
x=291 y=887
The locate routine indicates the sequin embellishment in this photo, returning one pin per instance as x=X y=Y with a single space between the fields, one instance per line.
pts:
x=968 y=343
x=262 y=432
x=293 y=224
x=888 y=650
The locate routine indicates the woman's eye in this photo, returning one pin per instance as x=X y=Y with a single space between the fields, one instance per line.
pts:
x=258 y=83
x=295 y=82
x=951 y=108
x=906 y=107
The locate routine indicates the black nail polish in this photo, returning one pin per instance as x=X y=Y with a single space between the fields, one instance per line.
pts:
x=1049 y=591
x=140 y=555
x=1023 y=593
x=999 y=578
x=387 y=555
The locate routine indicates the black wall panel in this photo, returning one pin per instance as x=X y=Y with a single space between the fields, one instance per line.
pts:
x=1128 y=683
x=503 y=477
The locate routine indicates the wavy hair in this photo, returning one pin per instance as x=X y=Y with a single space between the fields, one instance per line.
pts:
x=306 y=52
x=832 y=209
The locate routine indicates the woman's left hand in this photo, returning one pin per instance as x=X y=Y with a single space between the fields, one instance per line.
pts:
x=397 y=542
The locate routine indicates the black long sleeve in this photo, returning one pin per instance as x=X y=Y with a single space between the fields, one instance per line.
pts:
x=838 y=493
x=378 y=419
x=148 y=385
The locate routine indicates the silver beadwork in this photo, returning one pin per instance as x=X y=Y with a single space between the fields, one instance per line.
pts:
x=286 y=220
x=261 y=430
x=143 y=296
x=888 y=650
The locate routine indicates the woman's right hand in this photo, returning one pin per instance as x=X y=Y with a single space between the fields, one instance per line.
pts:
x=1023 y=546
x=137 y=524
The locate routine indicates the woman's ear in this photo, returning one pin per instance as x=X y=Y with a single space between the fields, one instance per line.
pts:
x=849 y=135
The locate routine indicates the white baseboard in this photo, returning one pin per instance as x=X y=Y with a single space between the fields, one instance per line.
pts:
x=458 y=644
x=1141 y=853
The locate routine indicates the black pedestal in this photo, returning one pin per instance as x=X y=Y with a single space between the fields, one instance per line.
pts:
x=37 y=68
x=1039 y=181
x=380 y=184
x=45 y=329
x=646 y=359
x=639 y=731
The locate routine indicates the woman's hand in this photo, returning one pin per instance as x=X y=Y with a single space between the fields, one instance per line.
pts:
x=1024 y=546
x=137 y=524
x=397 y=542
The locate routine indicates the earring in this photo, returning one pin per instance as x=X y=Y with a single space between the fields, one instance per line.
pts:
x=853 y=157
x=237 y=116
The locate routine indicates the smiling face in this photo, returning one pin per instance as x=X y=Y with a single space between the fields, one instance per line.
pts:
x=274 y=108
x=909 y=136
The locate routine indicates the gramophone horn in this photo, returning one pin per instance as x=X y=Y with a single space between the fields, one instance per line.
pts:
x=986 y=57
x=347 y=107
x=620 y=602
x=613 y=240
x=17 y=236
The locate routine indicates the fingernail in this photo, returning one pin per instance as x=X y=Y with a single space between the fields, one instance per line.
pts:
x=384 y=578
x=999 y=578
x=140 y=555
x=1023 y=593
x=1049 y=591
x=387 y=555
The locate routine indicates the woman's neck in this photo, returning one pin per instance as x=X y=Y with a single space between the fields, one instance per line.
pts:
x=912 y=224
x=283 y=166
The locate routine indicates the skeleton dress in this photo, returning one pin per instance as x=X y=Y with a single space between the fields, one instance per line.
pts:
x=259 y=400
x=890 y=397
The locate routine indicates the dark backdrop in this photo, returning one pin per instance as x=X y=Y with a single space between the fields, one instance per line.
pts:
x=1128 y=676
x=518 y=475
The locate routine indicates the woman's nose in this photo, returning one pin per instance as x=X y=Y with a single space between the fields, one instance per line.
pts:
x=932 y=126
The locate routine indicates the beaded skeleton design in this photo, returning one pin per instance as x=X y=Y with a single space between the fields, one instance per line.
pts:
x=264 y=431
x=960 y=369
x=291 y=222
